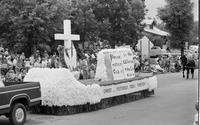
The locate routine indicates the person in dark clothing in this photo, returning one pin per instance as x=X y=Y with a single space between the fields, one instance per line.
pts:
x=177 y=66
x=183 y=62
x=190 y=67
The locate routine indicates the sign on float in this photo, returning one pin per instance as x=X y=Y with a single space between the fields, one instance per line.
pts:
x=118 y=64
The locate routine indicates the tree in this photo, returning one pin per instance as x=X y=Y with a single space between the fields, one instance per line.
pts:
x=194 y=33
x=119 y=20
x=30 y=25
x=161 y=26
x=157 y=40
x=178 y=17
x=83 y=19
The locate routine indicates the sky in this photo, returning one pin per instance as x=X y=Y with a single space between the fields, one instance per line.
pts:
x=152 y=6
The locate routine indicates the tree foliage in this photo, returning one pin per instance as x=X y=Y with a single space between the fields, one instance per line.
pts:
x=194 y=33
x=120 y=20
x=178 y=17
x=157 y=40
x=26 y=25
x=83 y=19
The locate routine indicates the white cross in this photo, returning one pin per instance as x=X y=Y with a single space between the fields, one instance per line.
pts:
x=68 y=37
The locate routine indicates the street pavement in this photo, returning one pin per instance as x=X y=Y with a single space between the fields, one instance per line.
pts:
x=172 y=104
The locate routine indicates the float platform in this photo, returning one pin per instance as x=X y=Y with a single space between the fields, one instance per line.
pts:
x=114 y=93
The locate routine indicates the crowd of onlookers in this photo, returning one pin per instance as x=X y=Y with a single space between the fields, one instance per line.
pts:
x=15 y=66
x=86 y=65
x=166 y=63
x=171 y=63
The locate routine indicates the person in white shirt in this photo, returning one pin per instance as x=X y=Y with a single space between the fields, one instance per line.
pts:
x=44 y=63
x=14 y=62
x=32 y=60
x=22 y=74
x=27 y=64
x=136 y=63
x=6 y=52
x=22 y=56
x=37 y=64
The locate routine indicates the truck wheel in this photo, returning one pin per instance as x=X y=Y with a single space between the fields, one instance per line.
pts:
x=18 y=114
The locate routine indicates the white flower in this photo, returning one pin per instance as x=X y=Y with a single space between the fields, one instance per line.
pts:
x=59 y=87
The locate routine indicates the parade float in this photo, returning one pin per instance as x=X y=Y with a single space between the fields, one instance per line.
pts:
x=115 y=83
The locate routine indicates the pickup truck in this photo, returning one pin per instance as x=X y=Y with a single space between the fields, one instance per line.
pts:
x=16 y=98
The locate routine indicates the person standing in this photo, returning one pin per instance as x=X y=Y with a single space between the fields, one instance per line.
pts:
x=22 y=56
x=53 y=59
x=45 y=54
x=168 y=63
x=6 y=53
x=183 y=62
x=190 y=67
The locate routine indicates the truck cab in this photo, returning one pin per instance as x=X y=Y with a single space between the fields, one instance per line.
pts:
x=16 y=98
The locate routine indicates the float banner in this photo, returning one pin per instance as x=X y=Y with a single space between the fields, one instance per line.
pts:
x=116 y=66
x=125 y=88
x=119 y=64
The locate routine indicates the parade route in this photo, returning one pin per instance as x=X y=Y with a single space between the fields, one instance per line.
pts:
x=172 y=104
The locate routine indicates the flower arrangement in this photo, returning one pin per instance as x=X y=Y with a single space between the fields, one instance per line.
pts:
x=59 y=87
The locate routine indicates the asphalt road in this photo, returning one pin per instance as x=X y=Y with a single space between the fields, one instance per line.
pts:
x=172 y=104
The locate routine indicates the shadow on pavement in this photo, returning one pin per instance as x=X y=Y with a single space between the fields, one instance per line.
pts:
x=4 y=121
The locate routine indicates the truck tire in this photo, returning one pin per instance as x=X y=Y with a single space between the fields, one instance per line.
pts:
x=17 y=114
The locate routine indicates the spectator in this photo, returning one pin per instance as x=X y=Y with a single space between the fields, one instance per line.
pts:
x=6 y=52
x=162 y=62
x=22 y=56
x=177 y=66
x=10 y=62
x=22 y=74
x=57 y=63
x=183 y=62
x=37 y=54
x=46 y=55
x=10 y=76
x=44 y=63
x=14 y=63
x=53 y=58
x=37 y=64
x=136 y=63
x=190 y=67
x=84 y=68
x=27 y=64
x=167 y=64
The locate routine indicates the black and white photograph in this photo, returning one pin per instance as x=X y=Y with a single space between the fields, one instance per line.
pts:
x=99 y=62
